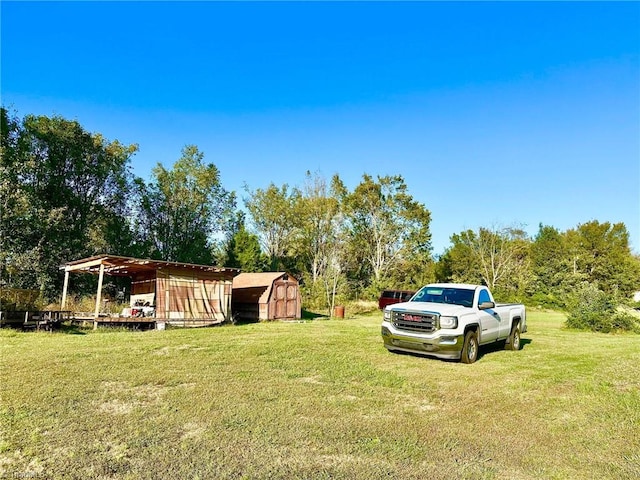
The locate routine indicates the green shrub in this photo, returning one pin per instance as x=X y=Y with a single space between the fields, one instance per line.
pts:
x=12 y=299
x=626 y=319
x=547 y=300
x=359 y=307
x=592 y=309
x=87 y=304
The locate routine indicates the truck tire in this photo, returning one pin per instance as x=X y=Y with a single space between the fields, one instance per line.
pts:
x=513 y=342
x=470 y=347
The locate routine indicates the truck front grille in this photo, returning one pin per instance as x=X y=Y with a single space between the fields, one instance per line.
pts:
x=416 y=322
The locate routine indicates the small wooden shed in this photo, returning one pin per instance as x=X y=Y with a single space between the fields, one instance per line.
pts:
x=266 y=296
x=183 y=294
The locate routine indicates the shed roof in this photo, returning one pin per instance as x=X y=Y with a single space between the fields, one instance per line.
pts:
x=263 y=279
x=127 y=266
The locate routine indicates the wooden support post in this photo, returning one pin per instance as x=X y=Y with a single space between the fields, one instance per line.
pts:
x=229 y=312
x=64 y=290
x=98 y=297
x=166 y=299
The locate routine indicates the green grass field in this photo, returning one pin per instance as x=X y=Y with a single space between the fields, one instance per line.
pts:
x=317 y=399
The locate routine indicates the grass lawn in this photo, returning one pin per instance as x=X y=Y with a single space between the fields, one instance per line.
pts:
x=318 y=399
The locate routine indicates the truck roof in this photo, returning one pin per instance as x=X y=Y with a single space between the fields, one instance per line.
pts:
x=455 y=285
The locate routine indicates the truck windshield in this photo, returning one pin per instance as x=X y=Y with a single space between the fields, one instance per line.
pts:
x=454 y=296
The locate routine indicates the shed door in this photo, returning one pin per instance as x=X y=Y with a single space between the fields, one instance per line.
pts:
x=286 y=299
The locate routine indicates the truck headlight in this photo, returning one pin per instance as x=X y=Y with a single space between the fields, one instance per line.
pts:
x=386 y=315
x=448 y=322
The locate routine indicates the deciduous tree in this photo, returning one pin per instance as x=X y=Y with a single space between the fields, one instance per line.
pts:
x=603 y=255
x=65 y=190
x=183 y=208
x=242 y=249
x=496 y=257
x=320 y=237
x=553 y=268
x=319 y=219
x=384 y=223
x=273 y=215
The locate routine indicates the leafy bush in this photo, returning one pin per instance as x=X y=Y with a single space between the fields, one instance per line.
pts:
x=87 y=303
x=12 y=299
x=359 y=307
x=627 y=319
x=592 y=309
x=547 y=300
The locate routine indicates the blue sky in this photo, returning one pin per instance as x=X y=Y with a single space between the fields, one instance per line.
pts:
x=494 y=113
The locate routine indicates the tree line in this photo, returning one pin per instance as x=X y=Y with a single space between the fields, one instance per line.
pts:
x=67 y=193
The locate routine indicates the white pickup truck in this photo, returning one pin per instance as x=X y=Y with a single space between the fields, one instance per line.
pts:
x=452 y=320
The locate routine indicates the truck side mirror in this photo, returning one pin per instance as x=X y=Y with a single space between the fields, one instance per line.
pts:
x=486 y=305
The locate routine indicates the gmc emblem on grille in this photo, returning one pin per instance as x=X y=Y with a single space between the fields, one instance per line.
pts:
x=412 y=318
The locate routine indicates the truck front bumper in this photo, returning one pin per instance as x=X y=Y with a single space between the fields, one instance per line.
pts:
x=445 y=344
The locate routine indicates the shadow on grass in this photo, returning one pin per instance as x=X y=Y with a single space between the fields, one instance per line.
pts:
x=425 y=356
x=308 y=315
x=484 y=350
x=499 y=346
x=72 y=330
x=245 y=321
x=64 y=329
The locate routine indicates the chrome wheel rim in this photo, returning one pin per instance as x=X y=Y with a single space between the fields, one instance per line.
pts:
x=472 y=350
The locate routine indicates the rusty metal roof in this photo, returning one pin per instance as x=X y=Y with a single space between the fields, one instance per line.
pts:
x=127 y=266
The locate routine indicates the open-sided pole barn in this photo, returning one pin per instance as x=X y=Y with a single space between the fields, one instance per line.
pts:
x=182 y=293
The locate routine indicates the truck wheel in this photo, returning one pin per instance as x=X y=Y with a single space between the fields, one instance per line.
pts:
x=470 y=347
x=513 y=342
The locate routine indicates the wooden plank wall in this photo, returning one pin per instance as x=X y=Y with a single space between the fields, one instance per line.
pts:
x=185 y=294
